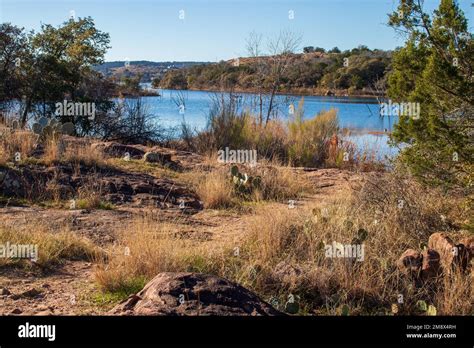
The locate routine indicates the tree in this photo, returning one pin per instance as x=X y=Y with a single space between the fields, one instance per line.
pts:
x=435 y=69
x=155 y=83
x=271 y=70
x=13 y=49
x=174 y=79
x=58 y=61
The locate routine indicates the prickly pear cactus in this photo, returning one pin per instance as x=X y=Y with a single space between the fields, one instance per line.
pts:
x=43 y=121
x=52 y=128
x=68 y=128
x=244 y=183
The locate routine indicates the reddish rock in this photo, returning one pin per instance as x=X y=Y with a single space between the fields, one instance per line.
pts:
x=410 y=262
x=16 y=311
x=451 y=254
x=430 y=265
x=445 y=247
x=468 y=243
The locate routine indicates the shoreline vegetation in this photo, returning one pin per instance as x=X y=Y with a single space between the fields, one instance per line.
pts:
x=313 y=225
x=303 y=92
x=300 y=92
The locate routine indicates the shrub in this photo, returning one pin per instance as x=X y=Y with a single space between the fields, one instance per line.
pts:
x=13 y=141
x=215 y=190
x=308 y=139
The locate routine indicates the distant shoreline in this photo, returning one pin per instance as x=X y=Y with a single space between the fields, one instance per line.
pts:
x=304 y=92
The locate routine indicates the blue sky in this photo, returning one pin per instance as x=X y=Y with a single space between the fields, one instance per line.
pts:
x=216 y=29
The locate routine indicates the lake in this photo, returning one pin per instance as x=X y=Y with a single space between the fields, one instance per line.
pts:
x=360 y=115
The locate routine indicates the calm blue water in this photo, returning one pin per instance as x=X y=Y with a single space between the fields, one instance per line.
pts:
x=353 y=113
x=358 y=114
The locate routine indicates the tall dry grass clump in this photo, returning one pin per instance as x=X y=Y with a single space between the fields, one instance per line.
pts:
x=309 y=139
x=146 y=247
x=54 y=247
x=53 y=150
x=83 y=153
x=218 y=190
x=15 y=141
x=279 y=183
x=72 y=150
x=311 y=142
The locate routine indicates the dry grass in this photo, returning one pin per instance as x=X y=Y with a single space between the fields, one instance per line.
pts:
x=12 y=142
x=83 y=153
x=53 y=247
x=216 y=190
x=90 y=195
x=56 y=148
x=145 y=248
x=308 y=139
x=286 y=250
x=282 y=253
x=72 y=150
x=280 y=183
x=52 y=150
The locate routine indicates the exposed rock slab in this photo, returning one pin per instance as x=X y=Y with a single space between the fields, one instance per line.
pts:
x=194 y=294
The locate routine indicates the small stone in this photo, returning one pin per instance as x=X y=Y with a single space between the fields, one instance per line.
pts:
x=155 y=157
x=5 y=292
x=30 y=293
x=16 y=311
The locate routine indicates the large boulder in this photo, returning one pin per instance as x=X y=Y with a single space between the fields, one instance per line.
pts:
x=430 y=265
x=452 y=255
x=193 y=294
x=442 y=255
x=444 y=246
x=468 y=243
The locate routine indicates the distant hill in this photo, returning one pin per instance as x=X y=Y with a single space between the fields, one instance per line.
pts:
x=147 y=69
x=359 y=71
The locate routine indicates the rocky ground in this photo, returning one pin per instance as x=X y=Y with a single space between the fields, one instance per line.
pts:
x=70 y=288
